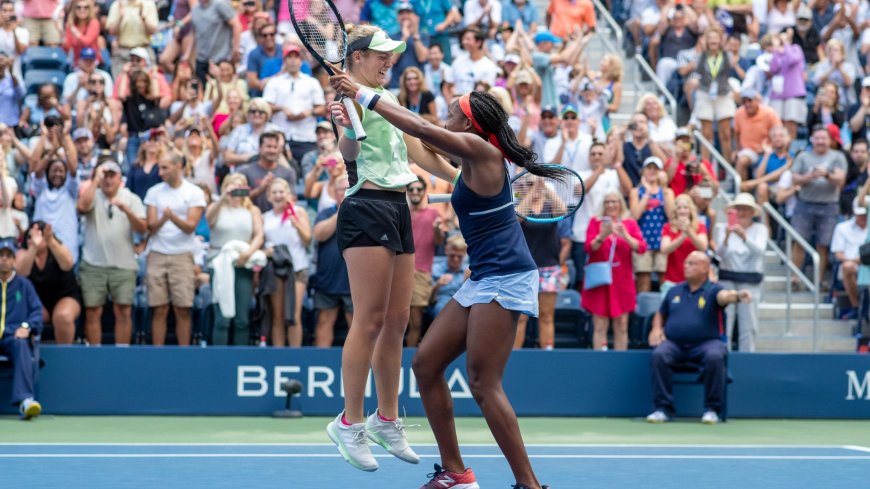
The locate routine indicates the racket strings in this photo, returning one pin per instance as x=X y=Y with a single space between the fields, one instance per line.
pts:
x=318 y=26
x=539 y=198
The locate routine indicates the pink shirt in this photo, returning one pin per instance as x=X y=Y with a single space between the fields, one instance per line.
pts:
x=423 y=224
x=39 y=9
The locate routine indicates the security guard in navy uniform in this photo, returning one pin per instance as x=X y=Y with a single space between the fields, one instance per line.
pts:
x=20 y=320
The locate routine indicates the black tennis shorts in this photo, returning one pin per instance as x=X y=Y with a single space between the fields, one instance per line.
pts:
x=376 y=218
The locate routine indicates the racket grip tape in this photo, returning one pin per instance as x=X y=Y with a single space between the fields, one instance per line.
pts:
x=352 y=113
x=439 y=198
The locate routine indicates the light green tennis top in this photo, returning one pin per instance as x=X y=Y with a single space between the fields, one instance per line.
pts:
x=383 y=156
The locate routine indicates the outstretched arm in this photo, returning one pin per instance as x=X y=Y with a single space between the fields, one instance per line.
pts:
x=461 y=145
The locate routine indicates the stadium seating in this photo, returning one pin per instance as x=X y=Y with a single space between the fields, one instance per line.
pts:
x=571 y=321
x=33 y=79
x=44 y=58
x=640 y=322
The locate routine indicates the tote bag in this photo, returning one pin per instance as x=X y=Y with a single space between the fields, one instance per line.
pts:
x=600 y=273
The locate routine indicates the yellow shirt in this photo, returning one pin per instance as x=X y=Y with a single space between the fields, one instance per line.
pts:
x=132 y=32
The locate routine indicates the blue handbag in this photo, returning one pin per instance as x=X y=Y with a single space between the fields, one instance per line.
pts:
x=599 y=273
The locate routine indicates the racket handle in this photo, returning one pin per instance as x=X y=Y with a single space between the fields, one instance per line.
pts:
x=439 y=198
x=354 y=119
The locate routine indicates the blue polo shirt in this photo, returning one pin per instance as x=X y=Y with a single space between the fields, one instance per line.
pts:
x=693 y=317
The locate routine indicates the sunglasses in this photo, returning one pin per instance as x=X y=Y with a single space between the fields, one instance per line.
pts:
x=415 y=190
x=267 y=34
x=95 y=82
x=257 y=111
x=569 y=117
x=548 y=116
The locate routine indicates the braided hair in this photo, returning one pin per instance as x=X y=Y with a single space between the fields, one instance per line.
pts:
x=493 y=119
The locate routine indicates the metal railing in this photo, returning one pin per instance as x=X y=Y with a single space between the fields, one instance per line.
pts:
x=642 y=65
x=791 y=237
x=612 y=25
x=720 y=162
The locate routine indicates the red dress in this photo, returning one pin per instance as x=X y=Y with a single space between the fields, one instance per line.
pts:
x=89 y=38
x=620 y=297
x=675 y=272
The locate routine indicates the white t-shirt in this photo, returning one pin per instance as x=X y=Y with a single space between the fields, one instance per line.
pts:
x=8 y=227
x=7 y=43
x=72 y=92
x=473 y=10
x=785 y=181
x=298 y=93
x=467 y=72
x=848 y=237
x=202 y=109
x=576 y=154
x=170 y=239
x=593 y=201
x=276 y=233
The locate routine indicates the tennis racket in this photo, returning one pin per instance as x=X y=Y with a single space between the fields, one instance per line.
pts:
x=321 y=30
x=542 y=199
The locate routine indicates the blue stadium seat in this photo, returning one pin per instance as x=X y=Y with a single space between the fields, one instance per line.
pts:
x=640 y=322
x=571 y=321
x=44 y=58
x=33 y=79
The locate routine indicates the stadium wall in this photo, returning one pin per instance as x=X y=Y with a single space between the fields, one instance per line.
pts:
x=246 y=381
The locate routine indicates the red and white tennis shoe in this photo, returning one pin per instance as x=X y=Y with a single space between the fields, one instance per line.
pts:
x=442 y=479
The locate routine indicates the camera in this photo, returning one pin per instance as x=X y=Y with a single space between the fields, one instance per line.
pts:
x=240 y=192
x=632 y=126
x=194 y=85
x=53 y=121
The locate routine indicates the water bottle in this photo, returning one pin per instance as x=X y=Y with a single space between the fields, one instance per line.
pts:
x=604 y=346
x=262 y=341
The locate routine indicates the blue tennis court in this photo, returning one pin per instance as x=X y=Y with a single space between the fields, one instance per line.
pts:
x=133 y=465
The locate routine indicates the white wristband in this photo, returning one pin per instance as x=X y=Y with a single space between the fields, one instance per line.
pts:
x=366 y=97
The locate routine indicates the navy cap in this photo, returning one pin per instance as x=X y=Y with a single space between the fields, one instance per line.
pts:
x=549 y=108
x=88 y=53
x=9 y=244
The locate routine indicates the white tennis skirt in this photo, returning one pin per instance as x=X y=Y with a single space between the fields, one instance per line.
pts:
x=515 y=292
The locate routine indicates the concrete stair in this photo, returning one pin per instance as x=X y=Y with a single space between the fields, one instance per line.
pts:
x=775 y=334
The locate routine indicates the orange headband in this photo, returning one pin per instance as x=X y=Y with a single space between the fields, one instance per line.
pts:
x=465 y=105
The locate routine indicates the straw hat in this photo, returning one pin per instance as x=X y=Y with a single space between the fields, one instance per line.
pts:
x=744 y=199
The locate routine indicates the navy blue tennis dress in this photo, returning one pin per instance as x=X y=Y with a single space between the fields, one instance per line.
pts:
x=502 y=268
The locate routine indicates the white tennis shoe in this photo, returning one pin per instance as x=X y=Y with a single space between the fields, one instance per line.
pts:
x=391 y=436
x=352 y=443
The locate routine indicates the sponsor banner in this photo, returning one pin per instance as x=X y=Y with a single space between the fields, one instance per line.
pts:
x=247 y=381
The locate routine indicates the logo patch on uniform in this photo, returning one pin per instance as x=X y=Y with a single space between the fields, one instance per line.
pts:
x=17 y=296
x=701 y=303
x=384 y=238
x=676 y=299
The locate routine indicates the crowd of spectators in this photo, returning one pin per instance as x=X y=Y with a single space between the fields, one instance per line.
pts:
x=185 y=153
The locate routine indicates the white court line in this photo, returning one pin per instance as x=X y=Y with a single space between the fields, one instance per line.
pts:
x=857 y=448
x=478 y=456
x=477 y=445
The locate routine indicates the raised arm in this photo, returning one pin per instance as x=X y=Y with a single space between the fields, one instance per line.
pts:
x=460 y=145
